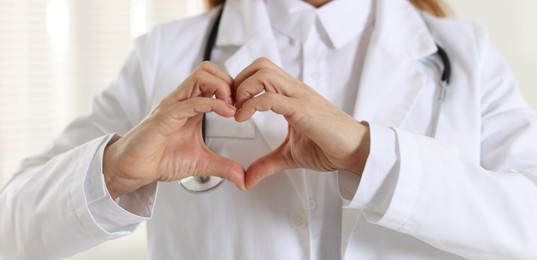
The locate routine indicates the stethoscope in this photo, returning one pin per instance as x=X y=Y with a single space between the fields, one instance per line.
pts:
x=202 y=184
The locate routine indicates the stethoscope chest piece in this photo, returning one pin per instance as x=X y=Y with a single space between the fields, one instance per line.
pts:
x=197 y=184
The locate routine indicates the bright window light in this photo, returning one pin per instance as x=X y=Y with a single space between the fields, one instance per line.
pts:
x=57 y=19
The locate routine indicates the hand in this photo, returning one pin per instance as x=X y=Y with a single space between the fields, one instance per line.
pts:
x=320 y=136
x=167 y=145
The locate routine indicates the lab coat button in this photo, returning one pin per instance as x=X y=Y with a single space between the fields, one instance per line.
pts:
x=312 y=204
x=298 y=219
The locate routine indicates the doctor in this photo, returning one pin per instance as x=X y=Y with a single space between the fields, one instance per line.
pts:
x=327 y=134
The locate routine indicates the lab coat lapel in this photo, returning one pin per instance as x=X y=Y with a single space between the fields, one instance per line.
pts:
x=255 y=42
x=390 y=79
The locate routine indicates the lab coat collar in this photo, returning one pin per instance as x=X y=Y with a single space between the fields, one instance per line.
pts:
x=292 y=18
x=341 y=21
x=241 y=20
x=345 y=19
x=246 y=25
x=401 y=30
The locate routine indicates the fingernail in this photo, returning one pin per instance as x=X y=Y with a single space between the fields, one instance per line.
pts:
x=230 y=101
x=241 y=187
x=250 y=186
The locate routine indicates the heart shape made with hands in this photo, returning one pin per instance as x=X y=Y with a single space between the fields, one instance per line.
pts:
x=167 y=145
x=311 y=143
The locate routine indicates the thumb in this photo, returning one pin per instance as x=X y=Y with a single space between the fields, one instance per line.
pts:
x=266 y=166
x=225 y=168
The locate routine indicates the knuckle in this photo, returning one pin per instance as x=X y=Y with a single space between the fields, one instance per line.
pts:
x=198 y=75
x=195 y=101
x=263 y=62
x=222 y=86
x=205 y=65
x=243 y=94
x=264 y=74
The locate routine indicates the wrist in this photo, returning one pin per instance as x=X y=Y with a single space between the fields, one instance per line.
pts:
x=359 y=156
x=117 y=183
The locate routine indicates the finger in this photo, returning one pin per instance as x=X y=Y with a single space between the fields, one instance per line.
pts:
x=256 y=65
x=198 y=105
x=207 y=85
x=268 y=80
x=170 y=118
x=216 y=71
x=203 y=82
x=264 y=167
x=252 y=86
x=223 y=93
x=279 y=104
x=224 y=168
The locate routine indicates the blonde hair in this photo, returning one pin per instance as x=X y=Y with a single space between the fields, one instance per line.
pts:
x=435 y=7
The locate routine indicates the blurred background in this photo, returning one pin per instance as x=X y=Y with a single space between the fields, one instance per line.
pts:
x=56 y=54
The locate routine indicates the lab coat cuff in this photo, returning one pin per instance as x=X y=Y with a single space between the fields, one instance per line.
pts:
x=120 y=215
x=407 y=182
x=372 y=191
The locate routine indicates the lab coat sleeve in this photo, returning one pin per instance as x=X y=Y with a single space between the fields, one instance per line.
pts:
x=120 y=216
x=478 y=209
x=46 y=208
x=378 y=179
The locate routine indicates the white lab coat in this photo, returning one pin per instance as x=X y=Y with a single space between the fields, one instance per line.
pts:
x=470 y=192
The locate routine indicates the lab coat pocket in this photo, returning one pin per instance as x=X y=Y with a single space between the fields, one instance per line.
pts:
x=221 y=127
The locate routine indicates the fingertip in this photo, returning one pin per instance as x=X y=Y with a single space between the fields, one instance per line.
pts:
x=232 y=108
x=223 y=109
x=238 y=117
x=242 y=187
x=236 y=175
x=254 y=174
x=244 y=93
x=239 y=101
x=250 y=185
x=230 y=101
x=242 y=115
